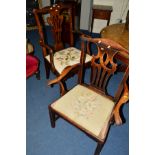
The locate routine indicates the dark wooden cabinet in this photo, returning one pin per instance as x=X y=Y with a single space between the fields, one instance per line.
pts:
x=76 y=11
x=30 y=5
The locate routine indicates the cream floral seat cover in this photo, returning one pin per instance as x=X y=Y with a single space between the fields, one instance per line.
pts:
x=67 y=57
x=88 y=109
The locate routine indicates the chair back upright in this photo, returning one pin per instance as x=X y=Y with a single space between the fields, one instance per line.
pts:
x=40 y=21
x=59 y=18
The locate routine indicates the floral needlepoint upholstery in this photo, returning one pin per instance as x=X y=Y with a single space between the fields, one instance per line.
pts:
x=67 y=57
x=87 y=108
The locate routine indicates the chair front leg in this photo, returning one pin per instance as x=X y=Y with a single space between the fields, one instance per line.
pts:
x=52 y=116
x=63 y=88
x=98 y=148
x=38 y=75
x=47 y=68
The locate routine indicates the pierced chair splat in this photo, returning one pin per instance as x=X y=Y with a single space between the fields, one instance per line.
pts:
x=90 y=107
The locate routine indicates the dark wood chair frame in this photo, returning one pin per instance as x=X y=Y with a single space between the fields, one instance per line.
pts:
x=58 y=42
x=64 y=10
x=102 y=68
x=55 y=14
x=55 y=20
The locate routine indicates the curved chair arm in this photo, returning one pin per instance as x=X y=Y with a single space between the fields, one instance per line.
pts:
x=63 y=76
x=124 y=98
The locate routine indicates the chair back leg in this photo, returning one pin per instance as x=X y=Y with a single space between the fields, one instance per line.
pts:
x=47 y=69
x=52 y=117
x=98 y=148
x=38 y=75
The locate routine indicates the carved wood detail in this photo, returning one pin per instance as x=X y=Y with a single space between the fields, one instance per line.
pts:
x=103 y=66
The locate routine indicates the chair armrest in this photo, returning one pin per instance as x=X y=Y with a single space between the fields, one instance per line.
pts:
x=60 y=79
x=124 y=98
x=64 y=74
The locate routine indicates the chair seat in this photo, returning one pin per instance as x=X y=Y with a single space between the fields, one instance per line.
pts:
x=87 y=109
x=31 y=65
x=67 y=57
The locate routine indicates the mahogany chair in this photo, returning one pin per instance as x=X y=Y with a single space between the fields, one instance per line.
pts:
x=40 y=17
x=57 y=58
x=90 y=107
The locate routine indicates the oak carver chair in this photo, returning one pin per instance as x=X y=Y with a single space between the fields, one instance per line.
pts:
x=57 y=58
x=90 y=107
